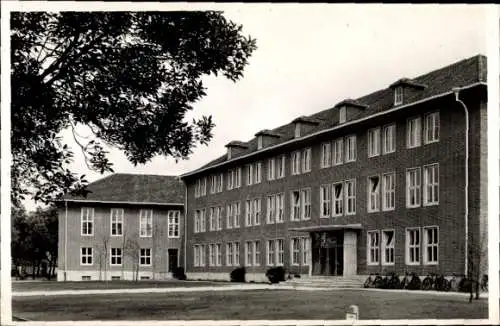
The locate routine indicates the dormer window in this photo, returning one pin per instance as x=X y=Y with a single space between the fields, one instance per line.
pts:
x=259 y=142
x=297 y=130
x=342 y=114
x=398 y=95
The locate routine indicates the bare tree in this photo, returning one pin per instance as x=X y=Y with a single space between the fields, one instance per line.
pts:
x=157 y=233
x=102 y=256
x=132 y=250
x=477 y=263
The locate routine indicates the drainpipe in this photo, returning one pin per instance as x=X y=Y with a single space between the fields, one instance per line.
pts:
x=65 y=239
x=185 y=225
x=456 y=90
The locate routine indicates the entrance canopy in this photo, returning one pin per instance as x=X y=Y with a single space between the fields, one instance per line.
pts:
x=314 y=228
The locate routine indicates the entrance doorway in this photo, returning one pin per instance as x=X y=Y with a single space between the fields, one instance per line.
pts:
x=328 y=253
x=173 y=259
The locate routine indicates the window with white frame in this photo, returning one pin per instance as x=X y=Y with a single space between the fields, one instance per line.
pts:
x=431 y=184
x=373 y=247
x=229 y=254
x=146 y=223
x=388 y=247
x=295 y=202
x=297 y=130
x=230 y=178
x=256 y=211
x=196 y=255
x=296 y=163
x=270 y=252
x=145 y=256
x=414 y=132
x=173 y=223
x=338 y=199
x=374 y=142
x=350 y=197
x=197 y=189
x=218 y=248
x=413 y=246
x=87 y=218
x=237 y=182
x=295 y=250
x=248 y=213
x=305 y=203
x=398 y=95
x=248 y=253
x=220 y=217
x=212 y=219
x=342 y=114
x=203 y=250
x=280 y=206
x=236 y=253
x=236 y=214
x=431 y=245
x=281 y=166
x=213 y=184
x=229 y=216
x=211 y=254
x=271 y=169
x=249 y=174
x=197 y=222
x=374 y=194
x=259 y=142
x=280 y=252
x=306 y=160
x=116 y=221
x=389 y=139
x=116 y=256
x=220 y=182
x=86 y=257
x=256 y=253
x=326 y=155
x=325 y=201
x=337 y=152
x=306 y=249
x=204 y=186
x=413 y=187
x=203 y=227
x=431 y=128
x=271 y=209
x=257 y=169
x=388 y=191
x=350 y=148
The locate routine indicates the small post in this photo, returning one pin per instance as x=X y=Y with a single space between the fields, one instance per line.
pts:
x=352 y=313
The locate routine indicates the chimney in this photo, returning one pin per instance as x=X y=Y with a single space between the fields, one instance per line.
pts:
x=234 y=148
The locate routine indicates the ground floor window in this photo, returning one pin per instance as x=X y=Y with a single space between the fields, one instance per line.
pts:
x=86 y=256
x=373 y=247
x=388 y=247
x=145 y=257
x=199 y=255
x=116 y=256
x=431 y=242
x=413 y=246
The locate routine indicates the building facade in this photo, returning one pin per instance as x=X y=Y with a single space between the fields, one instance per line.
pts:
x=393 y=181
x=128 y=227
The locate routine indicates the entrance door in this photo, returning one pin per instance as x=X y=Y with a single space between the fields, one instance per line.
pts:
x=328 y=256
x=173 y=259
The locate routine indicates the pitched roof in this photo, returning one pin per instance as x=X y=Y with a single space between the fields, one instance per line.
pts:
x=459 y=74
x=135 y=188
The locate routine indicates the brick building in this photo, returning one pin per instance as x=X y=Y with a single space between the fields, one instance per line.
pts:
x=374 y=184
x=129 y=226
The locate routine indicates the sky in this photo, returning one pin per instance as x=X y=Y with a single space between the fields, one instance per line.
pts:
x=310 y=57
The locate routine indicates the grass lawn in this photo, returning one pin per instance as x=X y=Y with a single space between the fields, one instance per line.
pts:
x=248 y=305
x=91 y=285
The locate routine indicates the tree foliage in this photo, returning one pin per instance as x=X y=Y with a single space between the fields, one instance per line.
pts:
x=130 y=78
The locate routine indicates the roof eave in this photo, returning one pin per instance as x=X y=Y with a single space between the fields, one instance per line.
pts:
x=118 y=202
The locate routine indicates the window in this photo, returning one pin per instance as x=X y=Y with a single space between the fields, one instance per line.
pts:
x=373 y=247
x=197 y=188
x=256 y=253
x=256 y=211
x=350 y=148
x=374 y=142
x=86 y=256
x=280 y=205
x=431 y=184
x=248 y=213
x=270 y=253
x=306 y=160
x=145 y=256
x=116 y=256
x=431 y=128
x=249 y=174
x=326 y=155
x=203 y=227
x=271 y=209
x=388 y=191
x=146 y=223
x=212 y=219
x=413 y=187
x=281 y=166
x=271 y=171
x=220 y=218
x=414 y=132
x=197 y=216
x=295 y=251
x=173 y=223
x=305 y=203
x=338 y=149
x=237 y=182
x=116 y=222
x=259 y=142
x=280 y=252
x=236 y=253
x=257 y=169
x=218 y=249
x=350 y=197
x=295 y=199
x=297 y=130
x=325 y=201
x=388 y=247
x=230 y=179
x=413 y=246
x=213 y=183
x=374 y=194
x=296 y=163
x=211 y=254
x=342 y=114
x=389 y=139
x=306 y=249
x=398 y=95
x=86 y=278
x=229 y=216
x=236 y=214
x=204 y=186
x=220 y=182
x=338 y=199
x=199 y=255
x=431 y=242
x=87 y=218
x=248 y=253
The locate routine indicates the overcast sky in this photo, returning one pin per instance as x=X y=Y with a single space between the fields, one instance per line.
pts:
x=310 y=57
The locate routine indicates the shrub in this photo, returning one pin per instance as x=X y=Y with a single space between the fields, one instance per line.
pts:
x=238 y=275
x=276 y=274
x=179 y=274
